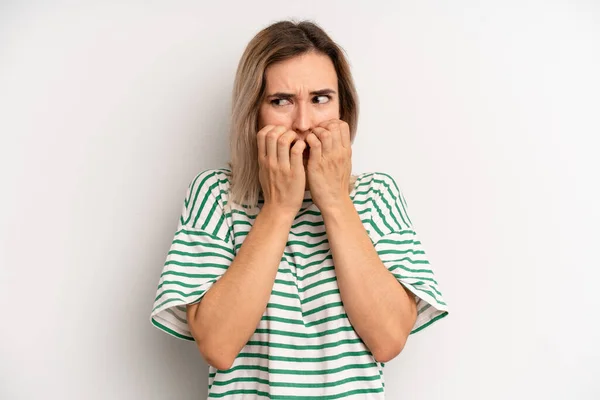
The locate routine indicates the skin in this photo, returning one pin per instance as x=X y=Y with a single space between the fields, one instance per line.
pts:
x=299 y=77
x=380 y=309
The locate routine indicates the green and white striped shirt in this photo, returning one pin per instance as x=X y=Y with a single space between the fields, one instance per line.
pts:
x=304 y=346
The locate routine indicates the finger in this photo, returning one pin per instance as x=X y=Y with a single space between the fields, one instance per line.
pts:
x=260 y=140
x=296 y=162
x=325 y=123
x=283 y=147
x=345 y=129
x=325 y=138
x=272 y=137
x=336 y=134
x=315 y=147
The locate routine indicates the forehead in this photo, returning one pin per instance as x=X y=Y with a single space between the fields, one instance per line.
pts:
x=310 y=71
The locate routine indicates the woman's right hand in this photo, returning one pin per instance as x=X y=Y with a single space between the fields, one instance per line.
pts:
x=281 y=169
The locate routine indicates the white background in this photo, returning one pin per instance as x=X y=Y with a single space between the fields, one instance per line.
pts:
x=486 y=113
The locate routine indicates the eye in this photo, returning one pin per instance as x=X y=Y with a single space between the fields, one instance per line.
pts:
x=323 y=96
x=274 y=102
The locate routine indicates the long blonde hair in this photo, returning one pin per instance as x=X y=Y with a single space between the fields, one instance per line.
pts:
x=275 y=43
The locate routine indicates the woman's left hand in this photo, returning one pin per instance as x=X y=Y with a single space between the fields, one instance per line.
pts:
x=330 y=163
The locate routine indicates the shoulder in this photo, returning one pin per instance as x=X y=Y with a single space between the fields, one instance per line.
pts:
x=213 y=181
x=206 y=195
x=378 y=184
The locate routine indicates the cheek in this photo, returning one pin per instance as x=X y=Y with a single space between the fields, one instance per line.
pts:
x=334 y=114
x=268 y=116
x=329 y=114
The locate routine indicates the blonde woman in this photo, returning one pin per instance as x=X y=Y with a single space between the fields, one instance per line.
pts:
x=295 y=278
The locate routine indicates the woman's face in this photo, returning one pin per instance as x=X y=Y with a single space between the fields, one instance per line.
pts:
x=300 y=93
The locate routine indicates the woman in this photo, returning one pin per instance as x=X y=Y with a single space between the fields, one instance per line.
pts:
x=294 y=277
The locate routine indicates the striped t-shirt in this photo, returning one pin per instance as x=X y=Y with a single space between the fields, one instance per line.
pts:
x=304 y=346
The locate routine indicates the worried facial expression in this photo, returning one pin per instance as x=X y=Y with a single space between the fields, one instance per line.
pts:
x=300 y=93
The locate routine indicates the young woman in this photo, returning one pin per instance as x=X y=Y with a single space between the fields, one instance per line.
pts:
x=295 y=278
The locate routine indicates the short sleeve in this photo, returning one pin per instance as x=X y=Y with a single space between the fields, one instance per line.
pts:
x=398 y=245
x=201 y=251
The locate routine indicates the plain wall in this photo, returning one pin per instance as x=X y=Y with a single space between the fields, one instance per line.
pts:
x=486 y=113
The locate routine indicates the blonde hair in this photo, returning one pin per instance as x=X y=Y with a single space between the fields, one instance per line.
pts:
x=278 y=42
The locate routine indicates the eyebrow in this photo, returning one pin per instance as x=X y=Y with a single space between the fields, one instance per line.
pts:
x=284 y=95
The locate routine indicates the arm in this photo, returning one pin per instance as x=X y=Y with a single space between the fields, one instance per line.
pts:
x=228 y=314
x=379 y=308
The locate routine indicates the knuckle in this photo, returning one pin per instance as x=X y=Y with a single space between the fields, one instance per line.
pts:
x=266 y=129
x=284 y=139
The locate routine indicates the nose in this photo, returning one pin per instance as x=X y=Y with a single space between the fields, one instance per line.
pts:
x=302 y=119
